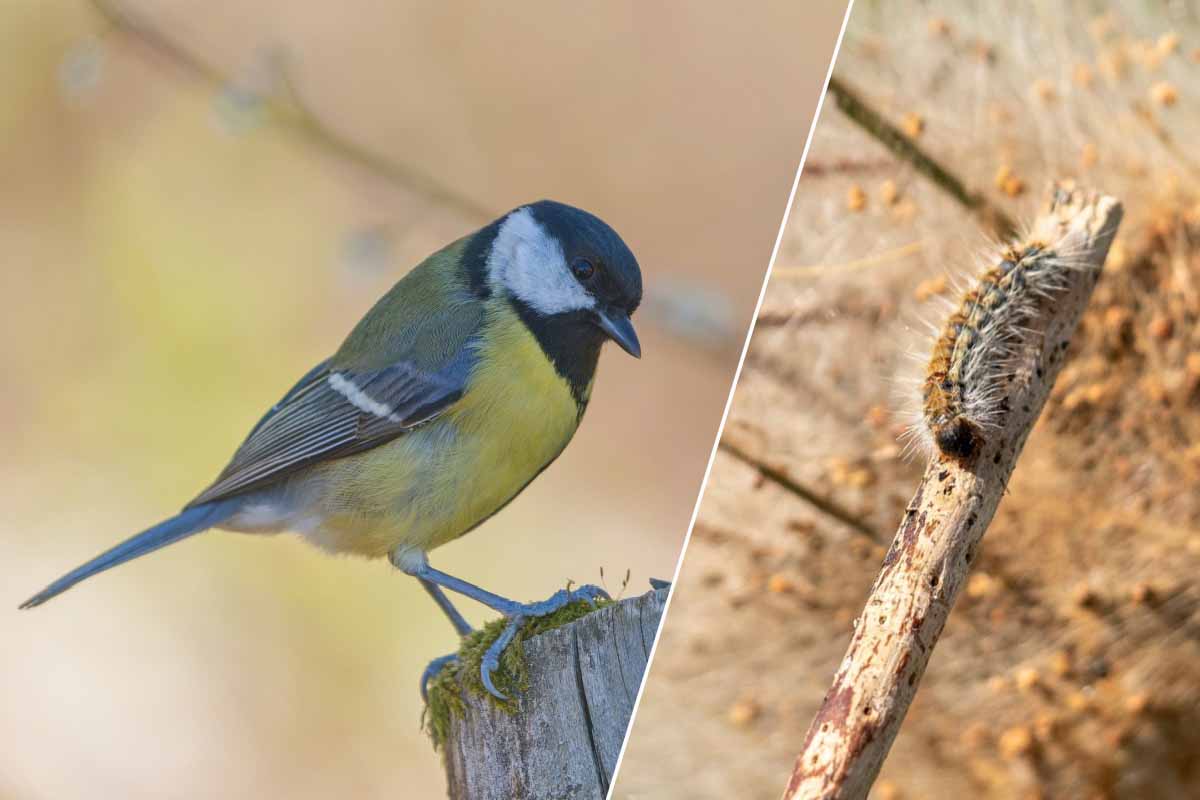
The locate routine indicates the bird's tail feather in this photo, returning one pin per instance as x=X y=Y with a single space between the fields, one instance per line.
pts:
x=182 y=525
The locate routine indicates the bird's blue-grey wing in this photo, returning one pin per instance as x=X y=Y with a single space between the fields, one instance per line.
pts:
x=331 y=413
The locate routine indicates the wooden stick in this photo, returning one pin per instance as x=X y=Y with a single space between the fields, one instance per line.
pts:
x=939 y=539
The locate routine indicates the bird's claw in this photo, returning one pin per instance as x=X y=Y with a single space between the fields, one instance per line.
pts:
x=432 y=670
x=491 y=659
x=517 y=618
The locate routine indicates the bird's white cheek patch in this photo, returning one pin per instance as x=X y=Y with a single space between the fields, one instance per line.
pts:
x=528 y=263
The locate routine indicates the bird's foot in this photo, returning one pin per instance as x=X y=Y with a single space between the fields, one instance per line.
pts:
x=431 y=672
x=518 y=615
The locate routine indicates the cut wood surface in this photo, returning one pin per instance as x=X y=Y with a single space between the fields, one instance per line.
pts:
x=939 y=539
x=563 y=741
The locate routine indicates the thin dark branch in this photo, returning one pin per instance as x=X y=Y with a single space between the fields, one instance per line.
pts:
x=781 y=479
x=903 y=147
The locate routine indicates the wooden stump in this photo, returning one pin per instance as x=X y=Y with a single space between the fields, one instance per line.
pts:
x=563 y=741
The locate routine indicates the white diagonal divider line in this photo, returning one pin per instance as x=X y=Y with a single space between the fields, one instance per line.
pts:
x=762 y=292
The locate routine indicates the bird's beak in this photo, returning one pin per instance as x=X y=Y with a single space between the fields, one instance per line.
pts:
x=617 y=326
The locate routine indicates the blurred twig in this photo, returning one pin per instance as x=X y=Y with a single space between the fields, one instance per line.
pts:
x=876 y=260
x=1143 y=114
x=939 y=538
x=292 y=113
x=780 y=478
x=904 y=148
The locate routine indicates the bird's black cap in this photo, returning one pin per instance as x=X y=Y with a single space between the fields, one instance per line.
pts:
x=618 y=279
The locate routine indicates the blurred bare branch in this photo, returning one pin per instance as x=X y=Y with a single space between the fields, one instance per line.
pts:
x=291 y=112
x=877 y=260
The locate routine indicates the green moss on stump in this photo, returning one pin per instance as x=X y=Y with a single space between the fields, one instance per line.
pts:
x=447 y=689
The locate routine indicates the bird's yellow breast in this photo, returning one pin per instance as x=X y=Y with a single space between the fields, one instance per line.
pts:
x=439 y=481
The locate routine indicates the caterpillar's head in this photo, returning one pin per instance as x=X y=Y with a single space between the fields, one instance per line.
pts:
x=958 y=438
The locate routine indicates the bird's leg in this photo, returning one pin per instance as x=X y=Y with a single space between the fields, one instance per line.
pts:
x=456 y=618
x=460 y=625
x=417 y=565
x=517 y=613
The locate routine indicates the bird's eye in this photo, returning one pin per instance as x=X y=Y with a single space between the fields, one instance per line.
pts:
x=583 y=269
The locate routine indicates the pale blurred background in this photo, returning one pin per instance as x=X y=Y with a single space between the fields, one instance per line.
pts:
x=175 y=256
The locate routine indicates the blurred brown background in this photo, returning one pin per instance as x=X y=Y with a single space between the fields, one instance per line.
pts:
x=175 y=257
x=1070 y=666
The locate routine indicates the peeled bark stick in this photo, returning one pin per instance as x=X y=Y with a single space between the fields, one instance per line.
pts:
x=563 y=740
x=940 y=534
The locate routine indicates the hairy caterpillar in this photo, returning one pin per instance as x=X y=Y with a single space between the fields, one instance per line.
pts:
x=974 y=358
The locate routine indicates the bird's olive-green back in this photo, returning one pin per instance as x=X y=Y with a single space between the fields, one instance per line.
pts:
x=425 y=319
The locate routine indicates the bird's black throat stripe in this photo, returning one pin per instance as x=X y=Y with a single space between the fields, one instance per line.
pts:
x=572 y=343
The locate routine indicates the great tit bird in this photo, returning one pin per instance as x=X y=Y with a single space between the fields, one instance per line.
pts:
x=457 y=389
